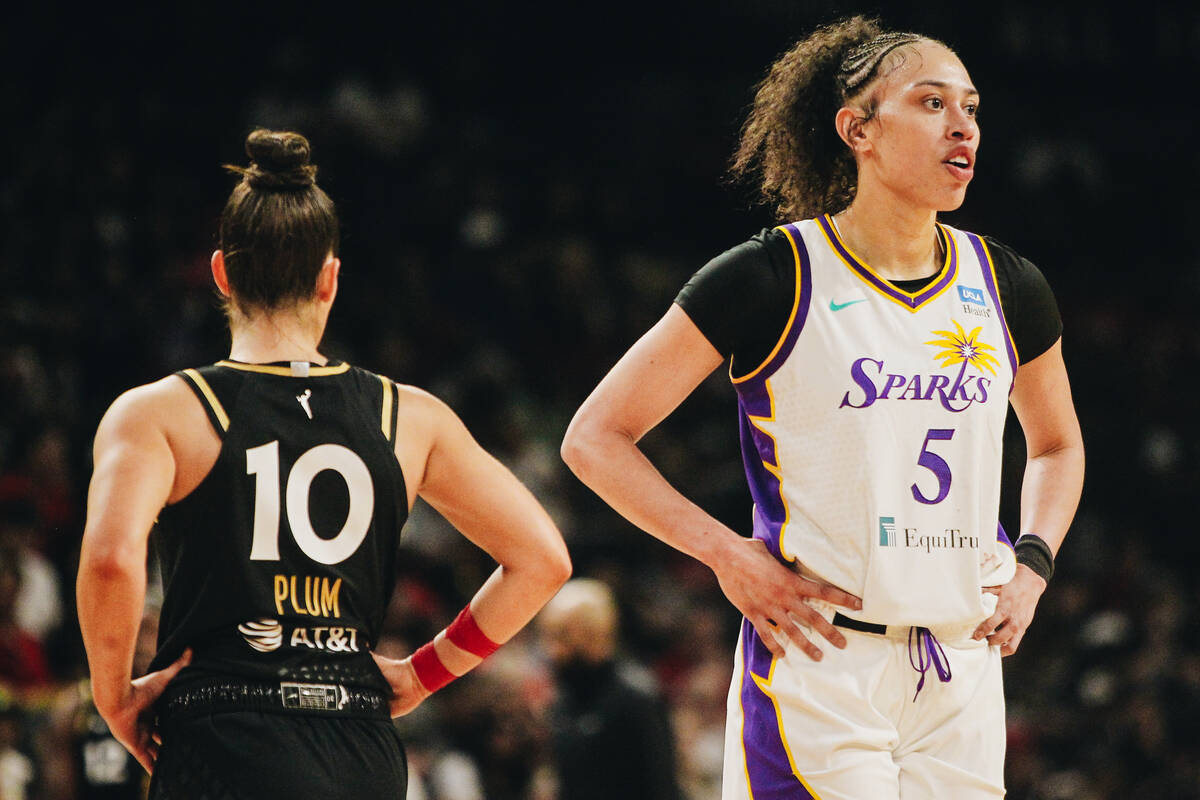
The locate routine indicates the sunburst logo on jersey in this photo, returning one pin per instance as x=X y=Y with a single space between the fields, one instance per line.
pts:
x=960 y=347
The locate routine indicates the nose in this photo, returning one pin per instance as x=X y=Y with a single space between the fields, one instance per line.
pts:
x=963 y=126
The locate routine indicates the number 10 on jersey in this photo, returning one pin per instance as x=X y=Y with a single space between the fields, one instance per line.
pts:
x=263 y=463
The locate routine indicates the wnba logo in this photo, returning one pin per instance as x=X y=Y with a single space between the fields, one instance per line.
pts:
x=887 y=531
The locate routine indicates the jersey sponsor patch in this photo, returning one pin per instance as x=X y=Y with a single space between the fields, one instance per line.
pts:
x=969 y=295
x=974 y=302
x=263 y=634
x=266 y=636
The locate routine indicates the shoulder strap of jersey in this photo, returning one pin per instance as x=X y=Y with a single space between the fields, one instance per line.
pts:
x=389 y=408
x=207 y=384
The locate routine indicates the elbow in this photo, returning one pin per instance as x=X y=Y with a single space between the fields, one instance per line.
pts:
x=573 y=450
x=581 y=446
x=100 y=570
x=558 y=571
x=556 y=566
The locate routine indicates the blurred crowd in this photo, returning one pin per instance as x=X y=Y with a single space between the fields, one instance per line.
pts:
x=516 y=210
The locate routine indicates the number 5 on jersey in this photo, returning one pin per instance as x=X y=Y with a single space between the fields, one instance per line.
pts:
x=263 y=463
x=935 y=464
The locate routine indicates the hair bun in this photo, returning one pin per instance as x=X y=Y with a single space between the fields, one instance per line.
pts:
x=278 y=160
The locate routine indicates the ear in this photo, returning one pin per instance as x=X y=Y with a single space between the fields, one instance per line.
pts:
x=327 y=279
x=849 y=125
x=218 y=272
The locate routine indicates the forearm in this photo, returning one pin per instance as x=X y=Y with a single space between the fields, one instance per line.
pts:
x=110 y=592
x=505 y=604
x=1050 y=493
x=615 y=468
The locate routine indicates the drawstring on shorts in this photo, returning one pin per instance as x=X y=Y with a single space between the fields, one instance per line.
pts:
x=929 y=654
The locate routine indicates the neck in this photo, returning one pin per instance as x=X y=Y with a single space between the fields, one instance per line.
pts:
x=898 y=241
x=276 y=336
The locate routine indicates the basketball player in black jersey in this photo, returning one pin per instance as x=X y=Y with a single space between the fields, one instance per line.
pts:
x=278 y=481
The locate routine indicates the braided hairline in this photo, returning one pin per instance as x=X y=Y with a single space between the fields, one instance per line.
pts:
x=862 y=63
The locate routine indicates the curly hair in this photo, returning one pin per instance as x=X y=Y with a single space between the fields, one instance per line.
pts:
x=789 y=142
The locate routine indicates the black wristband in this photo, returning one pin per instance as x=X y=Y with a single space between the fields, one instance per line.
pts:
x=1033 y=552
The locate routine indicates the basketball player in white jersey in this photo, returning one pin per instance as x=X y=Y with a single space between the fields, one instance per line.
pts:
x=874 y=352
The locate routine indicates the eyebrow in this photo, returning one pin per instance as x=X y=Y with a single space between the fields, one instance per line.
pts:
x=943 y=85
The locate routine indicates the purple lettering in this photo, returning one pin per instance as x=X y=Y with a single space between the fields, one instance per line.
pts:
x=914 y=386
x=891 y=383
x=937 y=383
x=859 y=376
x=960 y=388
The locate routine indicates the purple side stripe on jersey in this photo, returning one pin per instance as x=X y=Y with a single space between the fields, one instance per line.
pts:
x=754 y=400
x=758 y=449
x=913 y=301
x=768 y=765
x=989 y=279
x=1002 y=536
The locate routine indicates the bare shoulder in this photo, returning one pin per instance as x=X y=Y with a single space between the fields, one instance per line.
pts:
x=165 y=408
x=148 y=404
x=419 y=407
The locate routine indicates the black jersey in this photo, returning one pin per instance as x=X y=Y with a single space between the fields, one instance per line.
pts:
x=281 y=563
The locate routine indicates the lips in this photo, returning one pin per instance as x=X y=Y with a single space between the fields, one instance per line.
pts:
x=961 y=163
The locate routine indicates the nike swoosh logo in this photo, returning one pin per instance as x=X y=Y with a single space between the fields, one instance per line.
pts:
x=833 y=306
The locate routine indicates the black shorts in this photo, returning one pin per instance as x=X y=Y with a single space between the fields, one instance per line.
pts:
x=251 y=755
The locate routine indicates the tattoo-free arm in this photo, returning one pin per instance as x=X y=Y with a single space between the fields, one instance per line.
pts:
x=648 y=383
x=1050 y=490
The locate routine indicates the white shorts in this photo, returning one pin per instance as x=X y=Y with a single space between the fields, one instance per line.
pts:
x=848 y=728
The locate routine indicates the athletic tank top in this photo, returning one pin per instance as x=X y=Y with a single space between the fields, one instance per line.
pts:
x=281 y=563
x=871 y=435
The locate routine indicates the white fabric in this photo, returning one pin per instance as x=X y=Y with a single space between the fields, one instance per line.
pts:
x=865 y=406
x=853 y=730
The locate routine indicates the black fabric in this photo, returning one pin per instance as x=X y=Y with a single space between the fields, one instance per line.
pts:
x=288 y=617
x=255 y=756
x=106 y=770
x=842 y=621
x=1033 y=552
x=280 y=697
x=612 y=736
x=742 y=299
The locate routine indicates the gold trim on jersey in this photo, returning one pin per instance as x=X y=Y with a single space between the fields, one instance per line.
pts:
x=991 y=266
x=775 y=469
x=271 y=369
x=948 y=245
x=386 y=422
x=210 y=396
x=791 y=318
x=764 y=685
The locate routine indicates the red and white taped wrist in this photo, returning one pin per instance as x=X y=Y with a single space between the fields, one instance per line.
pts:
x=464 y=633
x=431 y=672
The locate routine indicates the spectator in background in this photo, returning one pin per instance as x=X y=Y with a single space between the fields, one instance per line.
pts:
x=16 y=768
x=38 y=606
x=22 y=657
x=612 y=737
x=80 y=758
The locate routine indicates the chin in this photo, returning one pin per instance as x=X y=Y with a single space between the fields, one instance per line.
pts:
x=951 y=203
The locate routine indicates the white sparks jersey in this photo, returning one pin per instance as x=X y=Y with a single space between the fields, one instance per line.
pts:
x=872 y=434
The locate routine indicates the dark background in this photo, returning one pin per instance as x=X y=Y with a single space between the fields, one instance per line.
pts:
x=522 y=192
